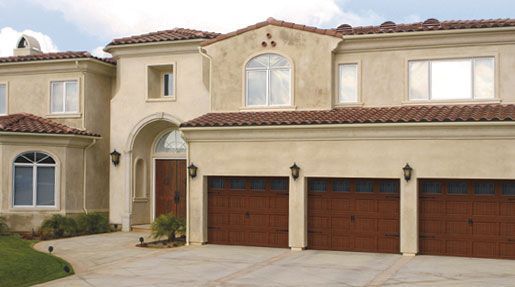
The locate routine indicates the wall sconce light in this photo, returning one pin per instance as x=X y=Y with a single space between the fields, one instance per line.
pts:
x=115 y=157
x=295 y=171
x=192 y=170
x=407 y=169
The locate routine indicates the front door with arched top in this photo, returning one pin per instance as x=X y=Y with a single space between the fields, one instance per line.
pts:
x=170 y=175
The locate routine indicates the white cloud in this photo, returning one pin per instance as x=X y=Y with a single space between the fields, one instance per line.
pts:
x=99 y=52
x=9 y=37
x=115 y=18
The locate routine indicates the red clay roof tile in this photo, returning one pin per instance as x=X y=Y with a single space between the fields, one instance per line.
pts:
x=55 y=56
x=28 y=123
x=360 y=115
x=176 y=34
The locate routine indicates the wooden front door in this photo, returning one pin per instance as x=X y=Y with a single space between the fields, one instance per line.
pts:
x=467 y=217
x=170 y=187
x=353 y=214
x=248 y=211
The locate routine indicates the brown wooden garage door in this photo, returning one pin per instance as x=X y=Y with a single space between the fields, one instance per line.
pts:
x=248 y=211
x=353 y=214
x=473 y=218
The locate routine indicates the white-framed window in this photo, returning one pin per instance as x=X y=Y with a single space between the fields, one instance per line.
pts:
x=268 y=81
x=171 y=142
x=168 y=84
x=3 y=99
x=348 y=83
x=34 y=180
x=452 y=79
x=64 y=97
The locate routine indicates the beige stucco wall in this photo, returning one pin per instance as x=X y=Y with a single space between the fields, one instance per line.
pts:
x=132 y=114
x=67 y=151
x=310 y=55
x=370 y=151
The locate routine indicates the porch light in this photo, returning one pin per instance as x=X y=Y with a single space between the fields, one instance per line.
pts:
x=192 y=170
x=295 y=171
x=115 y=157
x=407 y=171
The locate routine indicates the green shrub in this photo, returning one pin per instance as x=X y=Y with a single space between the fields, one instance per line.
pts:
x=93 y=223
x=4 y=228
x=58 y=226
x=168 y=225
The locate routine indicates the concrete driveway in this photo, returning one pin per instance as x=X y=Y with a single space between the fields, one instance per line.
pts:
x=112 y=260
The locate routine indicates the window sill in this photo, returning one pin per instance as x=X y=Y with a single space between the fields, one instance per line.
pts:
x=158 y=100
x=64 y=116
x=33 y=209
x=140 y=199
x=450 y=102
x=345 y=105
x=268 y=109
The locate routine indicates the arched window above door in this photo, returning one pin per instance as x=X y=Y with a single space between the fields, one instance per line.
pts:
x=171 y=142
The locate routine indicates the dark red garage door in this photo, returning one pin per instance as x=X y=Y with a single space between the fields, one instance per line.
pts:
x=353 y=214
x=474 y=218
x=248 y=211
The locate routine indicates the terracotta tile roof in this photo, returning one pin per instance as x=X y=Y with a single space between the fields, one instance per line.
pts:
x=55 y=56
x=166 y=35
x=28 y=123
x=360 y=115
x=272 y=21
x=428 y=25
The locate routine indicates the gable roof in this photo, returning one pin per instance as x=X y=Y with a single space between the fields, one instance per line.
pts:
x=176 y=34
x=274 y=22
x=55 y=56
x=28 y=123
x=360 y=115
x=430 y=24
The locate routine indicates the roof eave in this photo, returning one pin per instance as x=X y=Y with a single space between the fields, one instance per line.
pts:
x=427 y=33
x=110 y=46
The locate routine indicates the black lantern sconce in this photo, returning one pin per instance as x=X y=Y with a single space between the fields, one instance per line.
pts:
x=407 y=169
x=192 y=170
x=295 y=171
x=115 y=157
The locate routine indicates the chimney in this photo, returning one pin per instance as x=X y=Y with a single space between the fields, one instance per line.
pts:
x=26 y=46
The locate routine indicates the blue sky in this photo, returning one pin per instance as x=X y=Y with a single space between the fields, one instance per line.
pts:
x=90 y=24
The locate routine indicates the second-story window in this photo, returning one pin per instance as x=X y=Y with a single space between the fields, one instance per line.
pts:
x=348 y=83
x=455 y=79
x=3 y=99
x=268 y=81
x=64 y=97
x=168 y=84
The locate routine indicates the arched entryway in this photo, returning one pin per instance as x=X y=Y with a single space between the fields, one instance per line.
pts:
x=156 y=182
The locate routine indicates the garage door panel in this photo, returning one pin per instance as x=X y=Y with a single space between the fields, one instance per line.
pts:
x=258 y=220
x=353 y=214
x=218 y=202
x=218 y=235
x=279 y=203
x=237 y=202
x=279 y=221
x=217 y=219
x=479 y=218
x=257 y=203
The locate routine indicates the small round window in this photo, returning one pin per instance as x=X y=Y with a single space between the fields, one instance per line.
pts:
x=171 y=142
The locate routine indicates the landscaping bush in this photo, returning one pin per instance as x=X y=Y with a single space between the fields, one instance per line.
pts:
x=93 y=223
x=168 y=225
x=4 y=228
x=58 y=226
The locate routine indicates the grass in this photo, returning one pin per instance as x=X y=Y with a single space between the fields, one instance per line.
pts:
x=20 y=265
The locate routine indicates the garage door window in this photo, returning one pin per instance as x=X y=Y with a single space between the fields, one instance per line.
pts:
x=364 y=186
x=279 y=185
x=237 y=184
x=508 y=188
x=257 y=184
x=216 y=183
x=457 y=187
x=389 y=186
x=318 y=186
x=341 y=185
x=484 y=188
x=431 y=187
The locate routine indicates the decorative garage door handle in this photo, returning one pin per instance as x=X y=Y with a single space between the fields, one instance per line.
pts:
x=352 y=218
x=427 y=236
x=470 y=221
x=177 y=197
x=247 y=215
x=511 y=240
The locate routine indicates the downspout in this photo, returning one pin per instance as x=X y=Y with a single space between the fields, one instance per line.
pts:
x=84 y=156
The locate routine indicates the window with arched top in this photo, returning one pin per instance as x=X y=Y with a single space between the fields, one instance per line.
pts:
x=34 y=180
x=171 y=142
x=268 y=81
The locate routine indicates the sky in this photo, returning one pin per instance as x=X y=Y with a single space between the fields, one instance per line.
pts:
x=88 y=25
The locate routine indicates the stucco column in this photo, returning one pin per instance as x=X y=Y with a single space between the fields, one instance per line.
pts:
x=297 y=215
x=126 y=161
x=197 y=204
x=409 y=217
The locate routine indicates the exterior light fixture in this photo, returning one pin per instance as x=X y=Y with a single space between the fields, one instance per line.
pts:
x=50 y=249
x=115 y=157
x=141 y=240
x=192 y=170
x=295 y=171
x=407 y=169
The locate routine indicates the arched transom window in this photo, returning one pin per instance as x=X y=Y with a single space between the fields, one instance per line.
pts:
x=268 y=81
x=34 y=180
x=171 y=142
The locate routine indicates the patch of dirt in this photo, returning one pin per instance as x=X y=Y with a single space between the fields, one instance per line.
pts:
x=163 y=243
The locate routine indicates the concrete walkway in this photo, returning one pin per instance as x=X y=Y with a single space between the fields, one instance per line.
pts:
x=113 y=260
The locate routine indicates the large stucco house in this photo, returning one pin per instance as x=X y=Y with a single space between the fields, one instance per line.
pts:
x=396 y=138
